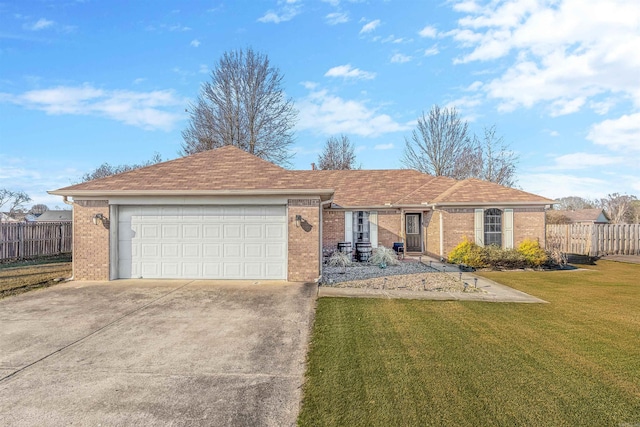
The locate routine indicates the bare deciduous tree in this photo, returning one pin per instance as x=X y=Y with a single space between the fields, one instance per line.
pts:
x=572 y=203
x=13 y=200
x=337 y=154
x=441 y=146
x=38 y=209
x=105 y=169
x=243 y=105
x=634 y=214
x=488 y=158
x=439 y=141
x=618 y=207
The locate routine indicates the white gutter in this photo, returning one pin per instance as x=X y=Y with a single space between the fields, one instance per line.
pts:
x=269 y=192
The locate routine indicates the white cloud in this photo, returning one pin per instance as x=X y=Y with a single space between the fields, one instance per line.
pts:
x=575 y=161
x=331 y=115
x=383 y=146
x=370 y=26
x=347 y=71
x=562 y=185
x=288 y=10
x=148 y=110
x=195 y=43
x=619 y=134
x=203 y=69
x=433 y=50
x=428 y=31
x=560 y=52
x=337 y=18
x=399 y=58
x=40 y=24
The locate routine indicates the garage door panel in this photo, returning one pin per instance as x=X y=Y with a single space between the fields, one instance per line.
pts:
x=212 y=250
x=254 y=250
x=170 y=269
x=273 y=232
x=232 y=231
x=274 y=250
x=232 y=250
x=191 y=231
x=232 y=270
x=215 y=242
x=191 y=250
x=211 y=231
x=170 y=250
x=170 y=231
x=253 y=270
x=191 y=269
x=274 y=269
x=253 y=231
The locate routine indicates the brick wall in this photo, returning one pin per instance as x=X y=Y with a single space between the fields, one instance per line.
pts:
x=90 y=241
x=388 y=228
x=304 y=240
x=332 y=228
x=528 y=223
x=458 y=223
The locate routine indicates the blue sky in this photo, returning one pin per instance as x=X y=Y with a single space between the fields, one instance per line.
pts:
x=87 y=82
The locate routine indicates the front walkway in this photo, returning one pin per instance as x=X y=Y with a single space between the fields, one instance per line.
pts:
x=491 y=291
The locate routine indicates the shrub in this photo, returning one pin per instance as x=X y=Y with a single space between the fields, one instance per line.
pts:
x=383 y=255
x=339 y=259
x=534 y=255
x=528 y=254
x=467 y=253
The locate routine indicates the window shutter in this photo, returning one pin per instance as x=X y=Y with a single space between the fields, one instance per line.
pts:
x=507 y=232
x=348 y=227
x=373 y=229
x=479 y=226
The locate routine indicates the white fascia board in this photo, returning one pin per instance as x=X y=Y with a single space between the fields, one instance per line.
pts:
x=323 y=194
x=484 y=204
x=199 y=200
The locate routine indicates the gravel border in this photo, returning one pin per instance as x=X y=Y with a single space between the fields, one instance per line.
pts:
x=408 y=275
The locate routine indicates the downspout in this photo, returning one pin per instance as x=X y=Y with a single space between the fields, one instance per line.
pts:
x=320 y=258
x=441 y=236
x=73 y=233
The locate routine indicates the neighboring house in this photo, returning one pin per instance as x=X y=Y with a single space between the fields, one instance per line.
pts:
x=17 y=217
x=579 y=216
x=55 y=216
x=226 y=214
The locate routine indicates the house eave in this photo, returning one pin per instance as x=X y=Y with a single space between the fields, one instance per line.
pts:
x=323 y=194
x=487 y=204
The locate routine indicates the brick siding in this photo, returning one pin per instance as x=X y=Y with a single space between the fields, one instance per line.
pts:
x=332 y=228
x=304 y=241
x=90 y=241
x=388 y=228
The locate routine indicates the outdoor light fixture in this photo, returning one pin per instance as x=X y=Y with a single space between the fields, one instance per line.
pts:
x=98 y=217
x=298 y=220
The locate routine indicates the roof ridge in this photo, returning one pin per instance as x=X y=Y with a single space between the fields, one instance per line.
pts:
x=450 y=190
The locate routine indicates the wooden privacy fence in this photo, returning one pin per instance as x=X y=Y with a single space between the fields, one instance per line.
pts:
x=594 y=239
x=27 y=240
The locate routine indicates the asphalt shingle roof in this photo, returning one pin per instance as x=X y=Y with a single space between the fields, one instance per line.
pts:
x=229 y=168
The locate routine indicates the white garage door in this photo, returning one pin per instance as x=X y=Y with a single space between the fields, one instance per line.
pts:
x=202 y=242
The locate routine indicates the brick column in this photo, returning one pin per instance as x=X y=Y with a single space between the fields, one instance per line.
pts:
x=90 y=241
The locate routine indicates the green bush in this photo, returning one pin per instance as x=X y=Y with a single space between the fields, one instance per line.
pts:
x=533 y=253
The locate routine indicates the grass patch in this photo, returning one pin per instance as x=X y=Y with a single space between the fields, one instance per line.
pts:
x=51 y=259
x=22 y=279
x=406 y=362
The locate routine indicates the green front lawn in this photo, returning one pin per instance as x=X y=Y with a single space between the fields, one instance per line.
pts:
x=575 y=361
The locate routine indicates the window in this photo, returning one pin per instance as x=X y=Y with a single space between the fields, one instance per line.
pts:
x=361 y=227
x=493 y=227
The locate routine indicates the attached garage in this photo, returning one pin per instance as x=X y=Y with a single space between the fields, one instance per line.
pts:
x=202 y=242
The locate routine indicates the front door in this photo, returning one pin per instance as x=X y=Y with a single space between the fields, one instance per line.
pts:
x=412 y=231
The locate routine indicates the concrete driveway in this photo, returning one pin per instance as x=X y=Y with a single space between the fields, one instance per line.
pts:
x=154 y=353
